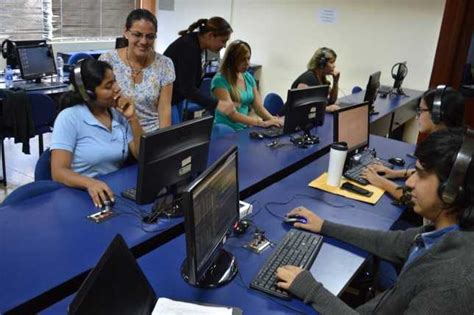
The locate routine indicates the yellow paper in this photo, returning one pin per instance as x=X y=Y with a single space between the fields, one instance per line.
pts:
x=321 y=183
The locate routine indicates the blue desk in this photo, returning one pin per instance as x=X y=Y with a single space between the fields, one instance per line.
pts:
x=336 y=264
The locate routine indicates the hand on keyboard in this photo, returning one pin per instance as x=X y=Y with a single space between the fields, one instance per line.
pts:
x=370 y=174
x=269 y=123
x=286 y=275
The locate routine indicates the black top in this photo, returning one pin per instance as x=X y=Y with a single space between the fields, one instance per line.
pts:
x=307 y=78
x=186 y=55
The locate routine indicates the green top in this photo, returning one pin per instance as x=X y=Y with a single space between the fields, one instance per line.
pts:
x=246 y=99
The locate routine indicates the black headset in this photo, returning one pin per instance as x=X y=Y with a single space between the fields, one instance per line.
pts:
x=78 y=84
x=324 y=59
x=230 y=56
x=452 y=191
x=437 y=112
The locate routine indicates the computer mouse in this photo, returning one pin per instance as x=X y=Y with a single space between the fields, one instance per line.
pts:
x=107 y=206
x=291 y=219
x=398 y=161
x=255 y=135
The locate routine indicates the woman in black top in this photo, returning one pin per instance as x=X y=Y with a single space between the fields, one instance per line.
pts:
x=186 y=53
x=322 y=64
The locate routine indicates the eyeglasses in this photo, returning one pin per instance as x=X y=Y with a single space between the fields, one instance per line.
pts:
x=421 y=110
x=139 y=36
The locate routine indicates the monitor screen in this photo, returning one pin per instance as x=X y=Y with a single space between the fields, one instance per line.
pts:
x=351 y=125
x=36 y=61
x=305 y=108
x=10 y=53
x=211 y=205
x=172 y=156
x=372 y=86
x=400 y=75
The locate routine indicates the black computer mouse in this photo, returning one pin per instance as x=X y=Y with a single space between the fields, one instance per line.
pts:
x=291 y=219
x=398 y=161
x=107 y=206
x=255 y=135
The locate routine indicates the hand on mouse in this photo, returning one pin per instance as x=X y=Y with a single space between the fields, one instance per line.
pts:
x=100 y=192
x=314 y=222
x=332 y=108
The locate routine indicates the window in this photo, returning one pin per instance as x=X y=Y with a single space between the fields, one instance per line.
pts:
x=90 y=18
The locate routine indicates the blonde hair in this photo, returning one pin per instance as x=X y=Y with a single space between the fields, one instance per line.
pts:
x=234 y=54
x=321 y=57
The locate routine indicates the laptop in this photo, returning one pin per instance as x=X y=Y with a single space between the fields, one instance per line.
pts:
x=116 y=285
x=370 y=92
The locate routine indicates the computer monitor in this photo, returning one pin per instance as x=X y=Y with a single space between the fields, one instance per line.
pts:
x=351 y=125
x=371 y=91
x=171 y=157
x=116 y=285
x=211 y=208
x=9 y=49
x=305 y=108
x=36 y=62
x=121 y=42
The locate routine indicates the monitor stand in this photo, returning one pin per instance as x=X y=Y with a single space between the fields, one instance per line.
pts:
x=168 y=205
x=221 y=271
x=306 y=139
x=372 y=110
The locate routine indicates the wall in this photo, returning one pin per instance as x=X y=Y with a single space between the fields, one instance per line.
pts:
x=368 y=35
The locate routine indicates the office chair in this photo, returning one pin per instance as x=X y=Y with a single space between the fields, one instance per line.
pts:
x=77 y=57
x=221 y=129
x=43 y=113
x=356 y=89
x=43 y=166
x=189 y=107
x=31 y=190
x=177 y=113
x=273 y=103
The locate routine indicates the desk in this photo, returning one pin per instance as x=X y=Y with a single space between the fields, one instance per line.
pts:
x=393 y=112
x=335 y=265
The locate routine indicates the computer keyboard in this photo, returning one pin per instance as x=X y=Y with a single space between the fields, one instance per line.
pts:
x=272 y=132
x=365 y=158
x=298 y=248
x=31 y=86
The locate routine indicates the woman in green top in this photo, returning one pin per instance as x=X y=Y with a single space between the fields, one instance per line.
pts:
x=234 y=83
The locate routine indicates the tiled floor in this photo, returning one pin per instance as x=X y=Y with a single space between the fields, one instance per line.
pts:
x=20 y=166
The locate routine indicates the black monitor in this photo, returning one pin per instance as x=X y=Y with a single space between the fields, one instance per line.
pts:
x=351 y=125
x=371 y=91
x=121 y=42
x=211 y=208
x=399 y=72
x=36 y=62
x=9 y=49
x=305 y=108
x=116 y=285
x=171 y=157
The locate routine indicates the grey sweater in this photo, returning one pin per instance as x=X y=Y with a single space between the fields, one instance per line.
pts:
x=438 y=281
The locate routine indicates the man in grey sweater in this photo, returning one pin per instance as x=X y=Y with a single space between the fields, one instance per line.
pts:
x=437 y=261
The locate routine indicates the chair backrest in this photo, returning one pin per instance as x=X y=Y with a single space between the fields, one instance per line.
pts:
x=221 y=129
x=176 y=113
x=43 y=166
x=205 y=87
x=31 y=190
x=43 y=112
x=273 y=103
x=356 y=89
x=78 y=56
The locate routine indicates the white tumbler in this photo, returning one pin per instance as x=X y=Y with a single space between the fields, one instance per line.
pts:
x=337 y=157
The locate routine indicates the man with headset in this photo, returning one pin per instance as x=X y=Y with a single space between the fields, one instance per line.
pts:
x=437 y=261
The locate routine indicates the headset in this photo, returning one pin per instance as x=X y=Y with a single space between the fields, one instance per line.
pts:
x=324 y=59
x=231 y=51
x=437 y=112
x=78 y=84
x=452 y=190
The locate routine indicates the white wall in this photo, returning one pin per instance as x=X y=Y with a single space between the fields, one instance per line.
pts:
x=368 y=35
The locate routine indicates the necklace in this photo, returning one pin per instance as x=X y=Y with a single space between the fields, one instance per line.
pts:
x=134 y=71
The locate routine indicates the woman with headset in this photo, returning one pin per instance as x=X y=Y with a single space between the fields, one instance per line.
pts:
x=188 y=53
x=95 y=135
x=321 y=65
x=143 y=74
x=234 y=84
x=452 y=107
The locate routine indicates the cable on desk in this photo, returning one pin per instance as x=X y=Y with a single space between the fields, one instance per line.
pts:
x=324 y=201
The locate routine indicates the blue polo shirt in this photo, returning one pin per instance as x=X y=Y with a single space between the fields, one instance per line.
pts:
x=95 y=149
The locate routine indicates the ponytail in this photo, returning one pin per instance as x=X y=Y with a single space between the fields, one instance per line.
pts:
x=217 y=25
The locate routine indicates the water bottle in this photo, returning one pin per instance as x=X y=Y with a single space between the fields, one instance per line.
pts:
x=60 y=68
x=8 y=77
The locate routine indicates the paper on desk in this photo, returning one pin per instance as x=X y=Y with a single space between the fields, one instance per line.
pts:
x=320 y=183
x=171 y=307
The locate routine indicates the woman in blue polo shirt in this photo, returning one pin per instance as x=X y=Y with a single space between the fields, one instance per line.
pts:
x=234 y=83
x=95 y=135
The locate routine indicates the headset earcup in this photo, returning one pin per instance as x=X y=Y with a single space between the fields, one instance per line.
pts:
x=91 y=94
